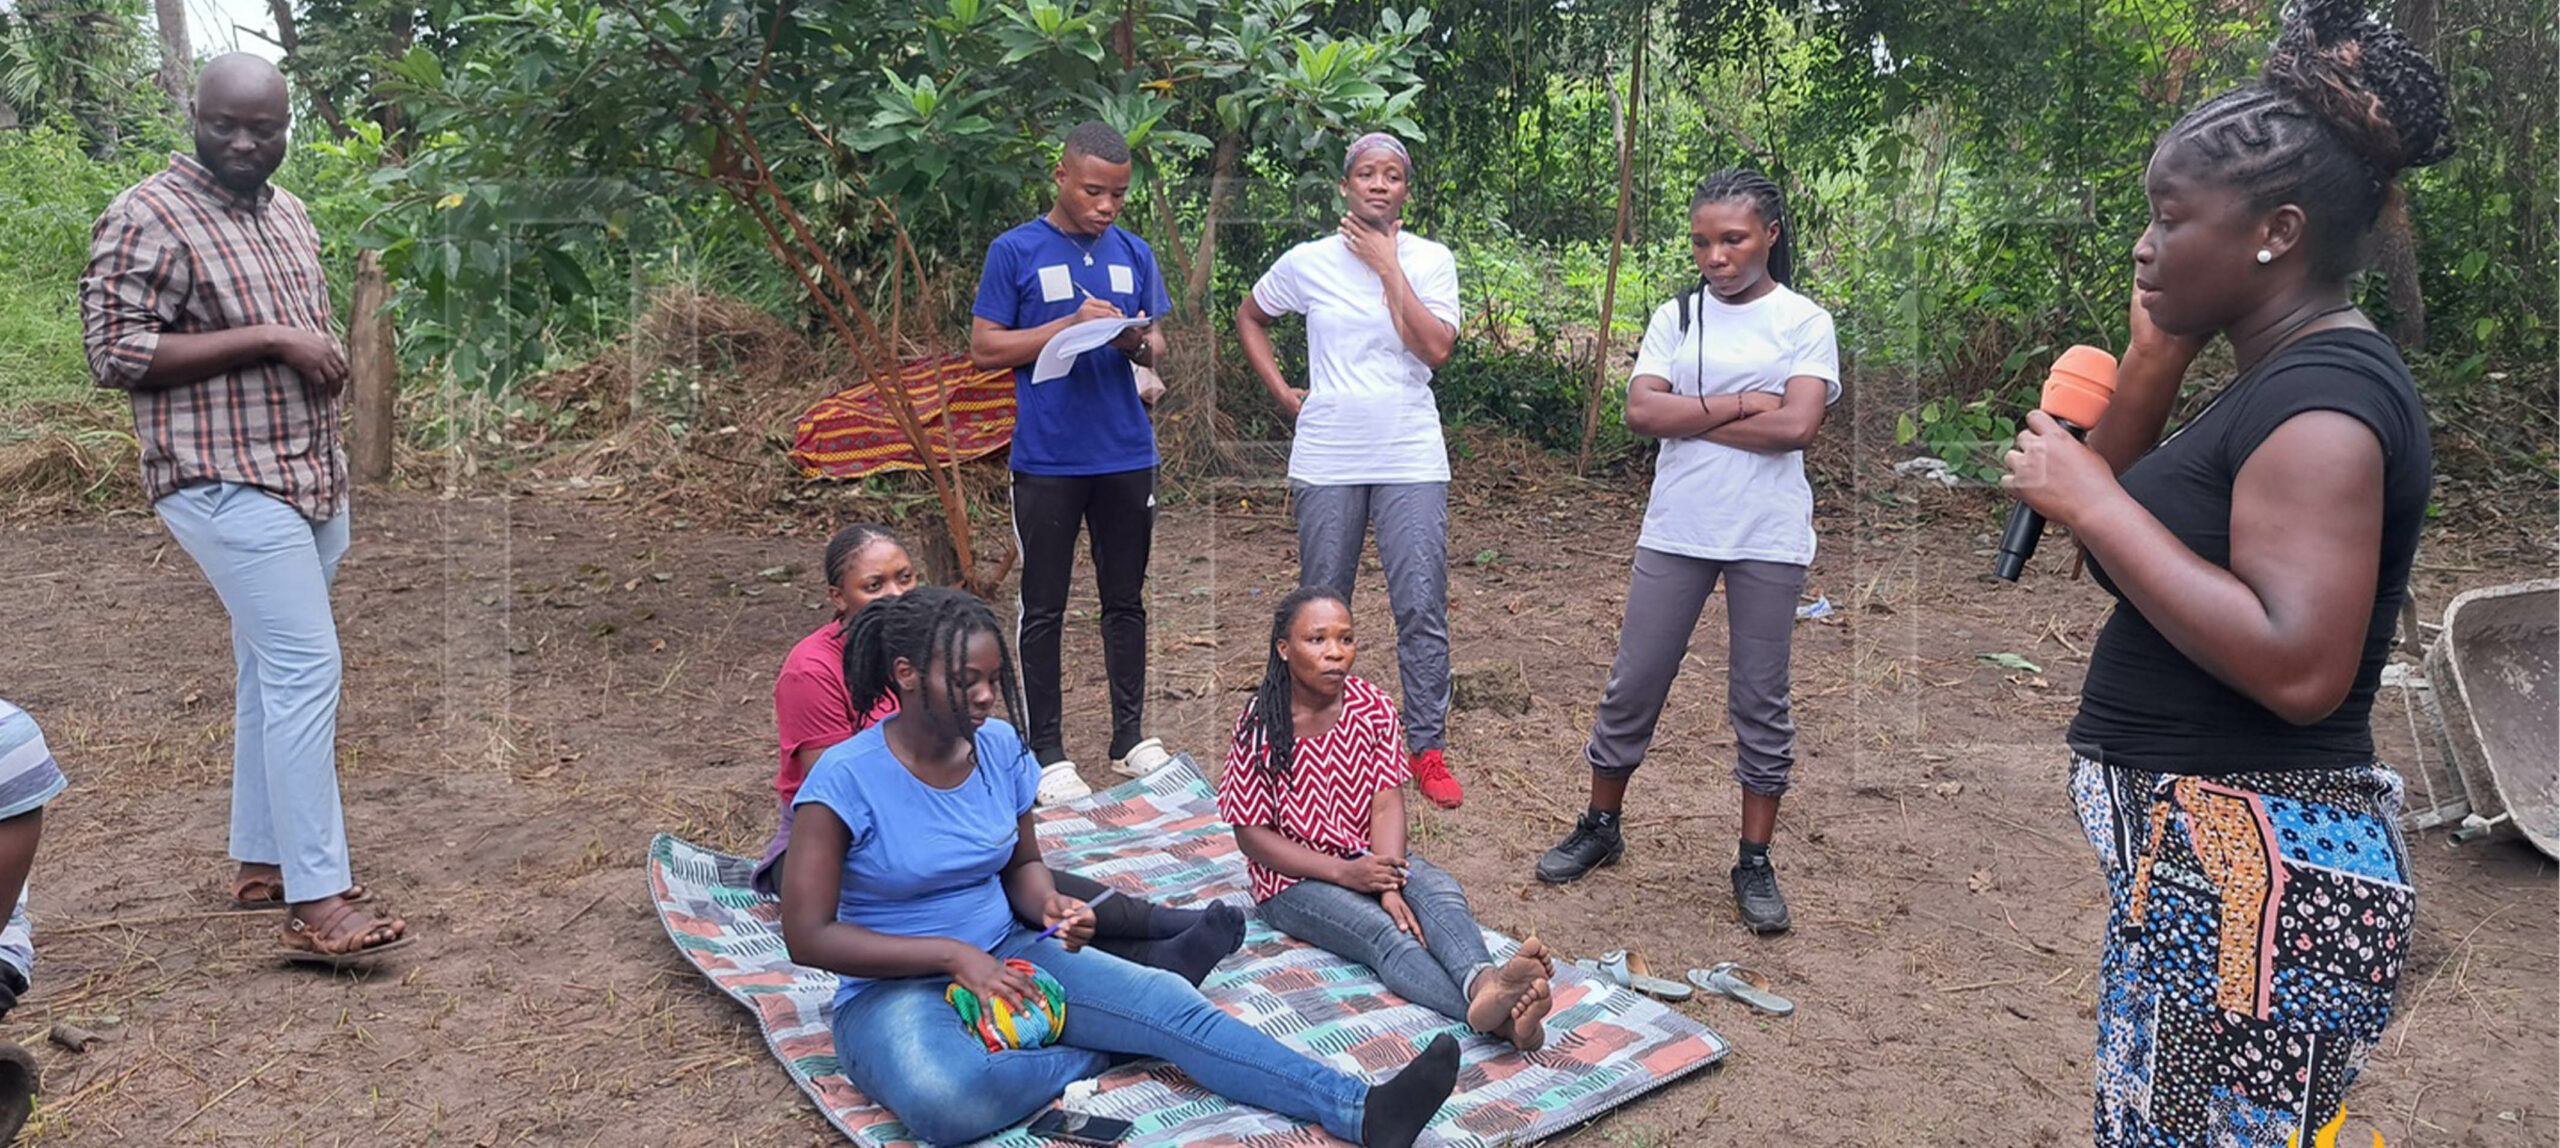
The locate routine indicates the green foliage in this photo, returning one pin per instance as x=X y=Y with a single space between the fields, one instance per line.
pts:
x=1969 y=436
x=548 y=146
x=50 y=193
x=1964 y=179
x=89 y=62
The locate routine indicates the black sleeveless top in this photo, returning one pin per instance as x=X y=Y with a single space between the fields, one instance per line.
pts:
x=2144 y=704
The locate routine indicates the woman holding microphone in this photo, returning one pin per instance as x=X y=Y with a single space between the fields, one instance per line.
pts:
x=2223 y=761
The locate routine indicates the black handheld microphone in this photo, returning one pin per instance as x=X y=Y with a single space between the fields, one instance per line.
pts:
x=2076 y=394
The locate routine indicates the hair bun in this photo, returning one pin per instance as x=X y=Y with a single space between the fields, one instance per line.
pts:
x=2366 y=80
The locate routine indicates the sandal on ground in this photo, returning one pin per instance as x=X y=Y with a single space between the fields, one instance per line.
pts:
x=1623 y=970
x=324 y=942
x=257 y=892
x=1743 y=984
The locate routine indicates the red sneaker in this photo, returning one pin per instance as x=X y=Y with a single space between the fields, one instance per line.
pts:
x=1431 y=775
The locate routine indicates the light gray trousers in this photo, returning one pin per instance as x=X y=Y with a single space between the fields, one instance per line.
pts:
x=1412 y=521
x=1664 y=598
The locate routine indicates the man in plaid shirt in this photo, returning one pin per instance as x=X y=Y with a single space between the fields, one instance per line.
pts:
x=205 y=300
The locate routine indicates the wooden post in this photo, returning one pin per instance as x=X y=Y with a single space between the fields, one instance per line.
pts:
x=1600 y=380
x=373 y=366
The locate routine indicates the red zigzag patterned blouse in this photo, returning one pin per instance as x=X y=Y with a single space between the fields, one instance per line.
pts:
x=1332 y=781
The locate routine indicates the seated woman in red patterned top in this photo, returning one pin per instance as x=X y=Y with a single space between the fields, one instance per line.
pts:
x=1311 y=786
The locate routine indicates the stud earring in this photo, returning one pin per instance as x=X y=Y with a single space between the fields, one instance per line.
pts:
x=2266 y=256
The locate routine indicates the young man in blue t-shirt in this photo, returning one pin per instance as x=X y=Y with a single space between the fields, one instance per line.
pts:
x=1084 y=454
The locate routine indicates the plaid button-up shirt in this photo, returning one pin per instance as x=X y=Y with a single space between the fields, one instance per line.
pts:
x=180 y=254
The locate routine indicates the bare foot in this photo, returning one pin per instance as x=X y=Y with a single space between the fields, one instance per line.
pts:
x=1501 y=987
x=1527 y=1026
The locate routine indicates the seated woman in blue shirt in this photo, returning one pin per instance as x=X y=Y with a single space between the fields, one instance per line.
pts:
x=914 y=866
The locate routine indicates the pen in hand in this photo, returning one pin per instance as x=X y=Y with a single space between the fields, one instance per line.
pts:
x=1063 y=922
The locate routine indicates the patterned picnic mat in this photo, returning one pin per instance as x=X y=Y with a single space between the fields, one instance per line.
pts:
x=1161 y=835
x=967 y=413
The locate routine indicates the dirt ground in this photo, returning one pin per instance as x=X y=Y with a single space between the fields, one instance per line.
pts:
x=537 y=683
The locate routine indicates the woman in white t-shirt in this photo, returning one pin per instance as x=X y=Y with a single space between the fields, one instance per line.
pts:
x=1733 y=378
x=1382 y=313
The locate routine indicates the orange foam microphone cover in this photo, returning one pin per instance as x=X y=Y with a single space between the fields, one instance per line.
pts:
x=2081 y=385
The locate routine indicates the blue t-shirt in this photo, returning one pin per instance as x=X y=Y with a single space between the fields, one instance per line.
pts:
x=1091 y=421
x=925 y=862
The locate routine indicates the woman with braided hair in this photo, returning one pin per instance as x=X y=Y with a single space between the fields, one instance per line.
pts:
x=1312 y=787
x=814 y=712
x=2223 y=759
x=1733 y=376
x=916 y=872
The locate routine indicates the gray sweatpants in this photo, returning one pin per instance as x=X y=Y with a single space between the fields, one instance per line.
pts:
x=1664 y=598
x=1412 y=521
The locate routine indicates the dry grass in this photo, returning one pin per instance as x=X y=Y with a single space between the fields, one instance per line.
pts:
x=84 y=460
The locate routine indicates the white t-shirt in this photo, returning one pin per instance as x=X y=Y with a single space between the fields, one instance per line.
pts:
x=1719 y=502
x=1370 y=416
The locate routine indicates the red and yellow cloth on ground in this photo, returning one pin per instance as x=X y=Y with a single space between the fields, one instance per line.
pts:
x=967 y=414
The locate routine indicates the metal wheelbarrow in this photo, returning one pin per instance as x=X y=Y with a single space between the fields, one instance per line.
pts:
x=2495 y=699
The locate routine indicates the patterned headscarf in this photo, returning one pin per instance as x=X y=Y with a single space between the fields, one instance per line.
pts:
x=1374 y=141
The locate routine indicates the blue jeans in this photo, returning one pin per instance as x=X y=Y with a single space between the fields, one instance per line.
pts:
x=1434 y=972
x=272 y=568
x=900 y=1042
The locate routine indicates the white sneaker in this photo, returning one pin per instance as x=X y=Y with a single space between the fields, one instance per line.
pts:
x=1060 y=784
x=1142 y=759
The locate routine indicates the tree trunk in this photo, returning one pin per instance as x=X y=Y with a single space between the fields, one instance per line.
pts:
x=2396 y=253
x=1204 y=254
x=290 y=39
x=386 y=111
x=2396 y=249
x=2420 y=20
x=176 y=61
x=8 y=114
x=373 y=365
x=1124 y=36
x=1600 y=379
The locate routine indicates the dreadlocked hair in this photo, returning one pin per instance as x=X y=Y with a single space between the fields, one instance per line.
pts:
x=1270 y=711
x=1743 y=183
x=928 y=626
x=2342 y=107
x=854 y=540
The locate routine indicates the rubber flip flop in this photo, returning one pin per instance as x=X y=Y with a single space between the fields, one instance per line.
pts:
x=1746 y=985
x=1617 y=967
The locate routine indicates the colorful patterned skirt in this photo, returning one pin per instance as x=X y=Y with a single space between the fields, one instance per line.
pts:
x=2256 y=931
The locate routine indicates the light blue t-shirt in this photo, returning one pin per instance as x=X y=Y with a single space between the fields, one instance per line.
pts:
x=925 y=862
x=1091 y=421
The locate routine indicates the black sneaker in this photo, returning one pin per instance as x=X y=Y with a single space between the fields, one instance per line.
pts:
x=1594 y=842
x=1755 y=891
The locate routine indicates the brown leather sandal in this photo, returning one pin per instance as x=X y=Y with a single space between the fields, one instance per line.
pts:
x=325 y=941
x=258 y=892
